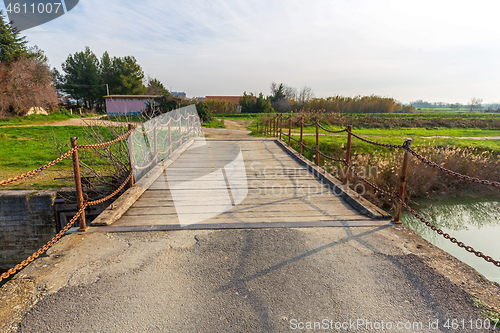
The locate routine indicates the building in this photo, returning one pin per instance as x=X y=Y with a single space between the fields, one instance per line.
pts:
x=180 y=94
x=121 y=105
x=231 y=99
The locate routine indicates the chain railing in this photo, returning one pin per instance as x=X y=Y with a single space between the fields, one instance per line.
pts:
x=84 y=203
x=274 y=127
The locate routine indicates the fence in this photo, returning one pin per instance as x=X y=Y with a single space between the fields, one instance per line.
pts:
x=149 y=154
x=274 y=127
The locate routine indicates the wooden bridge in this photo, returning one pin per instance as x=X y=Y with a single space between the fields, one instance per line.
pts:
x=284 y=190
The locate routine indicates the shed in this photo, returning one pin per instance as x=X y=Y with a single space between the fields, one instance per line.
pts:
x=121 y=105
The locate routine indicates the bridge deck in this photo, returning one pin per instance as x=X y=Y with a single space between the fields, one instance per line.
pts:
x=281 y=193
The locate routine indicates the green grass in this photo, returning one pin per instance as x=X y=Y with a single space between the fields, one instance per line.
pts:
x=214 y=123
x=23 y=149
x=36 y=119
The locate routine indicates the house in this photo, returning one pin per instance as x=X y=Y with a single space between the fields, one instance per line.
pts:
x=121 y=105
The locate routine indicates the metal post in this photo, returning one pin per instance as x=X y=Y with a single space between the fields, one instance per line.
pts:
x=169 y=137
x=317 y=142
x=155 y=142
x=180 y=130
x=301 y=132
x=402 y=181
x=281 y=125
x=348 y=154
x=276 y=126
x=289 y=130
x=131 y=155
x=78 y=183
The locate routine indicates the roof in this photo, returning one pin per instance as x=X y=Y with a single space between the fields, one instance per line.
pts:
x=232 y=99
x=132 y=96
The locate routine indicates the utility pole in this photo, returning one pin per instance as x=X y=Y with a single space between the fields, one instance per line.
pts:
x=107 y=89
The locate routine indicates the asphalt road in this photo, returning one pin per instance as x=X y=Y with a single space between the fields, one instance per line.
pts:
x=247 y=280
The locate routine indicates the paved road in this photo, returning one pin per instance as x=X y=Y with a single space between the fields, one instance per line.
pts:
x=253 y=280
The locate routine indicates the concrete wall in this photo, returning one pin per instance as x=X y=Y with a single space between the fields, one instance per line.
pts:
x=26 y=223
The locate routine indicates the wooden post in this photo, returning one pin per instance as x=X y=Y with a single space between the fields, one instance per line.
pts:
x=317 y=142
x=301 y=132
x=348 y=154
x=131 y=155
x=78 y=183
x=289 y=130
x=402 y=181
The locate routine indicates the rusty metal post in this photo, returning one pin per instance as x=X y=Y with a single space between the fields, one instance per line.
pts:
x=276 y=126
x=317 y=142
x=281 y=125
x=131 y=155
x=301 y=132
x=289 y=130
x=348 y=154
x=78 y=183
x=402 y=181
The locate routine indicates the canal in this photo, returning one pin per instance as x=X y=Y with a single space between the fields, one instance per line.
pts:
x=475 y=222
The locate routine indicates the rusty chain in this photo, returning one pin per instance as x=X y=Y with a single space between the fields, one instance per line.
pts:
x=44 y=248
x=450 y=172
x=376 y=143
x=427 y=223
x=40 y=169
x=332 y=158
x=104 y=144
x=58 y=236
x=96 y=202
x=330 y=131
x=60 y=158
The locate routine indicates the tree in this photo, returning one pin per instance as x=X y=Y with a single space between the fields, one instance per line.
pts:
x=84 y=77
x=475 y=103
x=155 y=87
x=81 y=78
x=12 y=44
x=251 y=104
x=281 y=95
x=129 y=75
x=305 y=95
x=25 y=78
x=26 y=83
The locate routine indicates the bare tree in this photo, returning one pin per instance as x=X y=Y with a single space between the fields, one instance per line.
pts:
x=305 y=94
x=475 y=103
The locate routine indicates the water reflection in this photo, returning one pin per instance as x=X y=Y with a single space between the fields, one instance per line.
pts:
x=476 y=222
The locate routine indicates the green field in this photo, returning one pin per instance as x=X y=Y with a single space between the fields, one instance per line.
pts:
x=26 y=148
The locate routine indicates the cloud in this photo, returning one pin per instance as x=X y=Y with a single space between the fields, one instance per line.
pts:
x=409 y=50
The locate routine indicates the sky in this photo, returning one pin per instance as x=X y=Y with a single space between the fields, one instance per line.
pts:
x=436 y=50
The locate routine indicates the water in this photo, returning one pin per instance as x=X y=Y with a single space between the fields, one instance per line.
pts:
x=475 y=222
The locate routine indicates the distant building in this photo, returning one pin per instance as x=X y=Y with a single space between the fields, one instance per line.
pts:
x=121 y=105
x=231 y=99
x=180 y=94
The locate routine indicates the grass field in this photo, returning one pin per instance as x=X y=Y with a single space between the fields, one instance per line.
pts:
x=26 y=148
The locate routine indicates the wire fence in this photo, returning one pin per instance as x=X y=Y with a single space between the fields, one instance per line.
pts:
x=274 y=127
